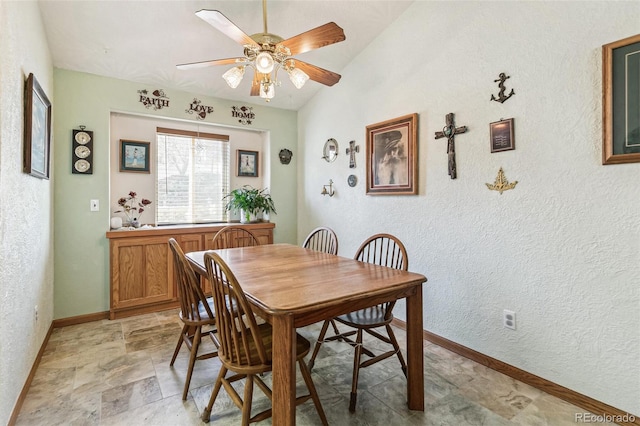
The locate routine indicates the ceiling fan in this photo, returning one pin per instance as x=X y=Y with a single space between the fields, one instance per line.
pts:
x=267 y=53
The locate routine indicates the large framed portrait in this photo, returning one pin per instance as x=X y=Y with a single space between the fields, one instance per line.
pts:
x=37 y=130
x=135 y=156
x=247 y=163
x=621 y=101
x=392 y=156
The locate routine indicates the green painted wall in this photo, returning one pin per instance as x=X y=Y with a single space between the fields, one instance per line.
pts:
x=81 y=250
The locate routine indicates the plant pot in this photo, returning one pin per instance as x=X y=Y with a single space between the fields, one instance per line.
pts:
x=243 y=217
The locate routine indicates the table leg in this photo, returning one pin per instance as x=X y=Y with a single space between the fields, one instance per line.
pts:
x=415 y=360
x=284 y=370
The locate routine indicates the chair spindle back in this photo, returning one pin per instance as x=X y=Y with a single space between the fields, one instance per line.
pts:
x=384 y=250
x=234 y=236
x=190 y=294
x=322 y=239
x=240 y=341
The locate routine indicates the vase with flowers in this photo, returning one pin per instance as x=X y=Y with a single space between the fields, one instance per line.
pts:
x=132 y=208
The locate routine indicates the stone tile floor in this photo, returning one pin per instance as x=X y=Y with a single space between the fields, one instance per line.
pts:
x=117 y=373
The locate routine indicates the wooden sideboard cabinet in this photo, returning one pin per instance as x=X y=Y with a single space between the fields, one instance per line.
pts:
x=141 y=266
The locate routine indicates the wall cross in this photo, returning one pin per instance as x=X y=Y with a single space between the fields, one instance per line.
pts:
x=450 y=131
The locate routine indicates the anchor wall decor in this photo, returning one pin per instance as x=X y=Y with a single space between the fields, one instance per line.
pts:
x=501 y=96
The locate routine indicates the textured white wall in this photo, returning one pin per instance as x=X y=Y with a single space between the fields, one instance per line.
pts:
x=562 y=249
x=26 y=231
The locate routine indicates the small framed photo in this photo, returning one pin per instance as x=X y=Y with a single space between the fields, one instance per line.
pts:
x=392 y=156
x=621 y=101
x=247 y=163
x=135 y=156
x=37 y=130
x=502 y=135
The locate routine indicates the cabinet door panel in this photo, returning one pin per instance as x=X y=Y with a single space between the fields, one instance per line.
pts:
x=156 y=266
x=130 y=272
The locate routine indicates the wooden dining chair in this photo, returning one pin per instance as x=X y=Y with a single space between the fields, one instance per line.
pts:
x=384 y=250
x=196 y=312
x=246 y=346
x=234 y=236
x=322 y=239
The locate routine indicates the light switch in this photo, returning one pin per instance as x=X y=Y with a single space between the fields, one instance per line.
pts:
x=95 y=205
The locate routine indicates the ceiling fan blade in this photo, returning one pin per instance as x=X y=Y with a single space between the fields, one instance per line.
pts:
x=203 y=64
x=221 y=23
x=316 y=38
x=328 y=78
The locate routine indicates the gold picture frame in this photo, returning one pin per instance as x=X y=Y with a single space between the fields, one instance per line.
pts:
x=37 y=130
x=621 y=101
x=392 y=156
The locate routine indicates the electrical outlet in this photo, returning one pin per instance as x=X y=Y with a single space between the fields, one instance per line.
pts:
x=95 y=205
x=36 y=312
x=509 y=319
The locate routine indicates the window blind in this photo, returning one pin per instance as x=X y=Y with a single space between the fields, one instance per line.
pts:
x=193 y=176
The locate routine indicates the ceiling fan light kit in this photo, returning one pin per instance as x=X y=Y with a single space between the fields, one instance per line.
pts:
x=266 y=53
x=233 y=77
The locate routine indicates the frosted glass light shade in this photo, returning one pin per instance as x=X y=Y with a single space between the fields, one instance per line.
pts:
x=264 y=62
x=298 y=77
x=270 y=91
x=233 y=77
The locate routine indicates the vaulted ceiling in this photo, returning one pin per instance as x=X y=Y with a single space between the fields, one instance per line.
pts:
x=143 y=41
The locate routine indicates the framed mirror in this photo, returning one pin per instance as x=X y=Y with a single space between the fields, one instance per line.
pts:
x=330 y=150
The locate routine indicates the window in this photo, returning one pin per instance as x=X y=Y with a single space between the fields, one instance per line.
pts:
x=193 y=176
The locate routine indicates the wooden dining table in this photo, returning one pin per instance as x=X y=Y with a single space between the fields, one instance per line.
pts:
x=291 y=287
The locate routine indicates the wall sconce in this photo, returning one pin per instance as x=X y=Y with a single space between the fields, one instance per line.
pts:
x=329 y=191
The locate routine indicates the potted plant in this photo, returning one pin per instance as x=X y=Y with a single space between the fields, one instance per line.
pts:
x=250 y=202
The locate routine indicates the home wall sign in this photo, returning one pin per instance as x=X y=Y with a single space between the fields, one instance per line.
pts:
x=502 y=77
x=198 y=109
x=450 y=131
x=245 y=115
x=501 y=183
x=82 y=151
x=351 y=152
x=156 y=99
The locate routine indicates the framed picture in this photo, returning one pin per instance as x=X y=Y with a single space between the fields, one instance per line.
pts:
x=135 y=156
x=621 y=101
x=247 y=163
x=502 y=136
x=37 y=130
x=392 y=156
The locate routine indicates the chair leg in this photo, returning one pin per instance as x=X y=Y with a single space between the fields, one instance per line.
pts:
x=185 y=329
x=325 y=325
x=192 y=360
x=396 y=347
x=306 y=374
x=206 y=414
x=356 y=370
x=246 y=403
